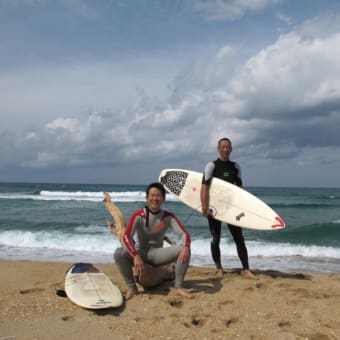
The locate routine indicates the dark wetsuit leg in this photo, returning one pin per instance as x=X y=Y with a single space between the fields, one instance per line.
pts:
x=242 y=252
x=215 y=231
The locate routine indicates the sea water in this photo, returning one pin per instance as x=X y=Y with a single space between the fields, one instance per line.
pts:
x=67 y=222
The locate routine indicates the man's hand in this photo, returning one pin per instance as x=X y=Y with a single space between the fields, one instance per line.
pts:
x=206 y=212
x=184 y=255
x=138 y=263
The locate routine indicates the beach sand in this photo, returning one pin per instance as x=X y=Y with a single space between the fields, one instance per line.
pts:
x=277 y=306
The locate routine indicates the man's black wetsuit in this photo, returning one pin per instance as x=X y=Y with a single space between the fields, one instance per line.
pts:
x=230 y=172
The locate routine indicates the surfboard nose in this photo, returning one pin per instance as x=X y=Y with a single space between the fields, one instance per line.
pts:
x=281 y=224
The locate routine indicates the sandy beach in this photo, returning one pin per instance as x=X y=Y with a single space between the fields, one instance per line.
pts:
x=277 y=306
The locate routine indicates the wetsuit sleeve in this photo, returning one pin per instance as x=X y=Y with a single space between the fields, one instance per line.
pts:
x=129 y=232
x=179 y=229
x=208 y=173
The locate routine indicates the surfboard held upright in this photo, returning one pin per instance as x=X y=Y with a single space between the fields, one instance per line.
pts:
x=228 y=202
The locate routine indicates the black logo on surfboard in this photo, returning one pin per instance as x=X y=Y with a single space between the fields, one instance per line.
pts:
x=239 y=216
x=174 y=181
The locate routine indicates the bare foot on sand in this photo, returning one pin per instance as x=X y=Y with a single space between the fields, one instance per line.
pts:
x=219 y=272
x=129 y=294
x=249 y=275
x=183 y=293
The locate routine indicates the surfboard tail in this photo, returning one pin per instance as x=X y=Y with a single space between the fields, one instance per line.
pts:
x=280 y=225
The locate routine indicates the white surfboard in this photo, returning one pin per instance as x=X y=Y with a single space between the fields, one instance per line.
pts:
x=90 y=288
x=228 y=203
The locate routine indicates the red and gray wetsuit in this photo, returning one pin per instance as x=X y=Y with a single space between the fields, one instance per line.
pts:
x=230 y=172
x=144 y=235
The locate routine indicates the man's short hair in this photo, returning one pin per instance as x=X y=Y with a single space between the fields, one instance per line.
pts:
x=222 y=139
x=156 y=185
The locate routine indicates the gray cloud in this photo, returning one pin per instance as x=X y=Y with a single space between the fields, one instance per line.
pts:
x=277 y=107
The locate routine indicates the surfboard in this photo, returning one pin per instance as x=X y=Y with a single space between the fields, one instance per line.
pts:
x=228 y=203
x=88 y=287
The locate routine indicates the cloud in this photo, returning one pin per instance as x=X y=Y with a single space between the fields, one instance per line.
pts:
x=219 y=10
x=284 y=18
x=277 y=107
x=319 y=27
x=62 y=123
x=294 y=72
x=46 y=93
x=206 y=74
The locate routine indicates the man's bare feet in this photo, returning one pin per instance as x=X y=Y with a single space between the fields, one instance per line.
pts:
x=249 y=275
x=129 y=294
x=219 y=272
x=183 y=293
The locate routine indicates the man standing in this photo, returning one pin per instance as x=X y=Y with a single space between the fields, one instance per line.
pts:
x=224 y=169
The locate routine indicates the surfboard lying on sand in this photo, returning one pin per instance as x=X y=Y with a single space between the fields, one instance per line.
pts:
x=90 y=288
x=228 y=202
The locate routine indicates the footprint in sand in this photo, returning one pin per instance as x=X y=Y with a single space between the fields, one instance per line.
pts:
x=196 y=321
x=225 y=302
x=284 y=324
x=67 y=317
x=249 y=289
x=31 y=290
x=176 y=303
x=230 y=321
x=261 y=285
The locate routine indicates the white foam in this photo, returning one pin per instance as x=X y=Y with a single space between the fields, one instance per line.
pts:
x=45 y=195
x=96 y=238
x=201 y=247
x=55 y=240
x=95 y=244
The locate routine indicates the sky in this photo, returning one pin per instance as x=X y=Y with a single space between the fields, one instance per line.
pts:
x=114 y=91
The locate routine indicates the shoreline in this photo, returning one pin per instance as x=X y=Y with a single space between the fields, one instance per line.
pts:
x=280 y=304
x=291 y=264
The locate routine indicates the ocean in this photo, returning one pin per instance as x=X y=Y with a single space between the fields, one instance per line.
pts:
x=67 y=222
